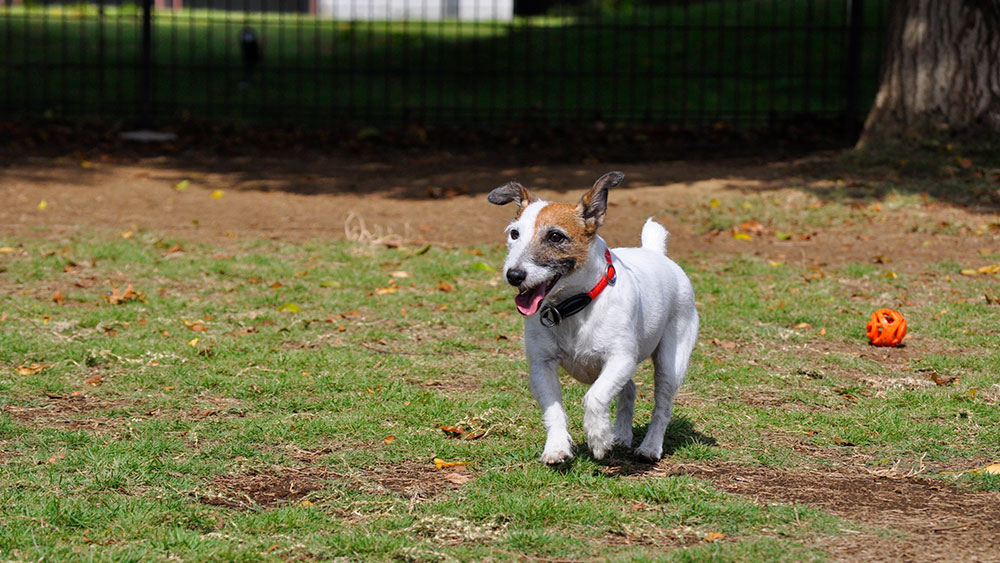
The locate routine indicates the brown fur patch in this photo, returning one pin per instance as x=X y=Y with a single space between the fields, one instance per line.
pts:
x=566 y=217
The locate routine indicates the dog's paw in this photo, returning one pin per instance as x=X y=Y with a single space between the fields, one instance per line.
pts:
x=600 y=444
x=556 y=457
x=623 y=438
x=652 y=453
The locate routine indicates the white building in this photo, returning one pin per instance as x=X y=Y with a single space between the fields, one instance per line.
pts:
x=428 y=10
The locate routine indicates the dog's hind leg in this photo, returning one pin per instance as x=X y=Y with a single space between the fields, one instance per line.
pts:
x=623 y=415
x=670 y=363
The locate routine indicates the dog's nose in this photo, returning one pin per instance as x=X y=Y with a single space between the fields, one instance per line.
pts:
x=516 y=276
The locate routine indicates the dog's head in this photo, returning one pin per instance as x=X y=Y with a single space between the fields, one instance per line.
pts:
x=548 y=241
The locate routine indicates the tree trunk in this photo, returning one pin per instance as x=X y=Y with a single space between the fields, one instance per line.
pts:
x=941 y=71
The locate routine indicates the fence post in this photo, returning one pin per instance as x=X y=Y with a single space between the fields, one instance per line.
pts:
x=146 y=68
x=852 y=82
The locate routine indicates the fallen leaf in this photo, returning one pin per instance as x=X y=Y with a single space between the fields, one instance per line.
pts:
x=193 y=342
x=182 y=185
x=891 y=275
x=388 y=440
x=446 y=287
x=727 y=344
x=752 y=228
x=456 y=478
x=216 y=194
x=32 y=369
x=943 y=380
x=94 y=380
x=290 y=308
x=386 y=290
x=400 y=274
x=714 y=203
x=57 y=297
x=331 y=283
x=77 y=395
x=742 y=236
x=802 y=326
x=116 y=297
x=42 y=205
x=56 y=457
x=840 y=442
x=6 y=250
x=276 y=285
x=307 y=502
x=196 y=326
x=442 y=464
x=992 y=469
x=484 y=266
x=714 y=536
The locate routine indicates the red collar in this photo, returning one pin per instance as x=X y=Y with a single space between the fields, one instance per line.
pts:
x=551 y=315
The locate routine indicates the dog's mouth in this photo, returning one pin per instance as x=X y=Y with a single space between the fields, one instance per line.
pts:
x=530 y=299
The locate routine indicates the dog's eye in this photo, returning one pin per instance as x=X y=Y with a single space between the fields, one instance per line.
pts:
x=514 y=234
x=556 y=237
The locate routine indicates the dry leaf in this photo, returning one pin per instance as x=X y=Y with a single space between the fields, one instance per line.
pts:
x=400 y=274
x=456 y=478
x=386 y=290
x=446 y=287
x=802 y=326
x=388 y=440
x=216 y=194
x=57 y=297
x=844 y=443
x=116 y=297
x=56 y=458
x=42 y=205
x=94 y=380
x=193 y=342
x=714 y=536
x=442 y=464
x=742 y=236
x=992 y=469
x=290 y=308
x=943 y=380
x=727 y=344
x=196 y=326
x=32 y=369
x=307 y=502
x=182 y=185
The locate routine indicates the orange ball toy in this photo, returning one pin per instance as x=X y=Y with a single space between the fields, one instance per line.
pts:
x=887 y=328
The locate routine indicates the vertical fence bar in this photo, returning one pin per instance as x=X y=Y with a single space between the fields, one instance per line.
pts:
x=853 y=68
x=146 y=67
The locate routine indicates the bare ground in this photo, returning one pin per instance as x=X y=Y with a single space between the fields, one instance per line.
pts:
x=438 y=199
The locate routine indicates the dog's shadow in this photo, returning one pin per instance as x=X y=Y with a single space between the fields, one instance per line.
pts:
x=623 y=461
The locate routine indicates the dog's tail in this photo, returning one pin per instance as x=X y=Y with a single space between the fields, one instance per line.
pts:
x=654 y=237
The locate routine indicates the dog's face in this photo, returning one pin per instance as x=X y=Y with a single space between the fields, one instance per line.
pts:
x=548 y=241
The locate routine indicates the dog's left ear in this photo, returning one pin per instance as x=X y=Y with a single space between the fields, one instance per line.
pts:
x=512 y=191
x=594 y=204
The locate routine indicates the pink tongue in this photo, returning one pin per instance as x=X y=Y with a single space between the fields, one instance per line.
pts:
x=528 y=302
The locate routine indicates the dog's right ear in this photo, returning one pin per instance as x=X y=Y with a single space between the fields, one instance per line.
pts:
x=512 y=191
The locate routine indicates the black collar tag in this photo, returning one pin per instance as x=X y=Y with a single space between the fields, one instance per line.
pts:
x=551 y=316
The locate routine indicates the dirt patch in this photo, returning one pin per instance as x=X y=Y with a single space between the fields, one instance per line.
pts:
x=418 y=481
x=939 y=522
x=68 y=413
x=265 y=489
x=438 y=199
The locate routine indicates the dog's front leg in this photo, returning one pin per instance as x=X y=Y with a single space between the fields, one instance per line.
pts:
x=617 y=372
x=545 y=388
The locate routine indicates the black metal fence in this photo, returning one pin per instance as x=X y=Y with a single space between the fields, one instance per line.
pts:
x=353 y=63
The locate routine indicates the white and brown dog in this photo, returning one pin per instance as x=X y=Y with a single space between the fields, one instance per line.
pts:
x=597 y=313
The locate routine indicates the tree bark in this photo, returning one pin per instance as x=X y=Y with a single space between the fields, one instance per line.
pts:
x=941 y=71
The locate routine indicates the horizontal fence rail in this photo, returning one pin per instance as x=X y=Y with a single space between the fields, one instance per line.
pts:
x=481 y=63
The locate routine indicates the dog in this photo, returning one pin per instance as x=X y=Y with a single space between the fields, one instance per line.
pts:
x=597 y=313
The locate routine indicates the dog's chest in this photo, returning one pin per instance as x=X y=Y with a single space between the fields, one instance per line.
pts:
x=581 y=354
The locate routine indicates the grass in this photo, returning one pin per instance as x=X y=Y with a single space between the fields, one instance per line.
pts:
x=707 y=63
x=265 y=400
